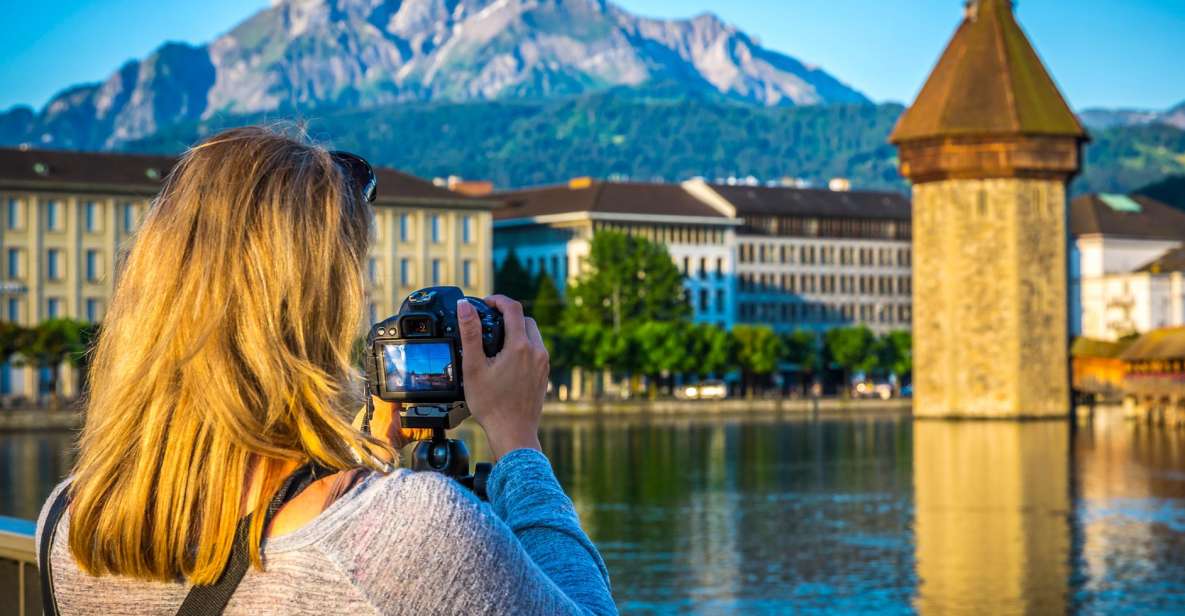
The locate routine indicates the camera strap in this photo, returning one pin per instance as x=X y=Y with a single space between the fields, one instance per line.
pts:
x=206 y=600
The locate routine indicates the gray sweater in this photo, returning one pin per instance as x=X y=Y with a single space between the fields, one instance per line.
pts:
x=403 y=543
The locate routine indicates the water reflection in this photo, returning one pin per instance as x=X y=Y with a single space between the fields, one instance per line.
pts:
x=991 y=522
x=856 y=514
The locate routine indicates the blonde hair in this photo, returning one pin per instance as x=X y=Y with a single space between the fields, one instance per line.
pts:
x=227 y=346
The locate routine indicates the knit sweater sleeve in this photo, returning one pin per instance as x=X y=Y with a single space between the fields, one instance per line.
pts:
x=426 y=545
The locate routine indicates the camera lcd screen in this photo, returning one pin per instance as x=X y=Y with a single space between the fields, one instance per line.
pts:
x=418 y=366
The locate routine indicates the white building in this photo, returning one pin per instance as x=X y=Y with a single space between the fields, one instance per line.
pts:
x=818 y=259
x=785 y=257
x=1125 y=266
x=549 y=231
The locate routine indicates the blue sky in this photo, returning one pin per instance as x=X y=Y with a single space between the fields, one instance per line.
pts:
x=1113 y=53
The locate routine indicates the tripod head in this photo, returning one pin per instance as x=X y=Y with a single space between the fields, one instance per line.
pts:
x=442 y=454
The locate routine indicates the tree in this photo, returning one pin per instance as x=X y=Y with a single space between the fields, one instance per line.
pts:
x=14 y=339
x=801 y=347
x=514 y=281
x=710 y=350
x=853 y=349
x=895 y=354
x=661 y=348
x=548 y=307
x=55 y=342
x=757 y=351
x=627 y=278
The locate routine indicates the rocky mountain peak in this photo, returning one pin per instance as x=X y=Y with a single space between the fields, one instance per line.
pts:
x=300 y=55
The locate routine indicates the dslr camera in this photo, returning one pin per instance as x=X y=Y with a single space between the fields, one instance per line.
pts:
x=414 y=358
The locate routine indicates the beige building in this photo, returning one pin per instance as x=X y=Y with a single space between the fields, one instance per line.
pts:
x=68 y=215
x=989 y=146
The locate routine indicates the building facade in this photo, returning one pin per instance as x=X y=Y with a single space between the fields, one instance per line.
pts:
x=784 y=257
x=67 y=216
x=818 y=259
x=989 y=146
x=1125 y=266
x=549 y=230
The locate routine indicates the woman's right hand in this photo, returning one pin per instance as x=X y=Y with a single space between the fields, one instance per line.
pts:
x=505 y=392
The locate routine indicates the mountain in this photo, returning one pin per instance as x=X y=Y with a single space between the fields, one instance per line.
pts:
x=652 y=134
x=1170 y=190
x=621 y=133
x=329 y=55
x=1108 y=118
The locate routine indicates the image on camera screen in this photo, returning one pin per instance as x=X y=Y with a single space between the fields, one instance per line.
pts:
x=418 y=366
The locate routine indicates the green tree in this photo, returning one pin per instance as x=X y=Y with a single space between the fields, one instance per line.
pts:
x=548 y=307
x=757 y=351
x=710 y=350
x=55 y=342
x=514 y=281
x=853 y=349
x=661 y=348
x=895 y=354
x=627 y=279
x=801 y=347
x=14 y=340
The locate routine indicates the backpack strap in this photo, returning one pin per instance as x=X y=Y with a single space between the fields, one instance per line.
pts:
x=49 y=604
x=211 y=599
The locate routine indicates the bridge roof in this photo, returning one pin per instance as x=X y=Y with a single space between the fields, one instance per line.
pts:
x=1164 y=343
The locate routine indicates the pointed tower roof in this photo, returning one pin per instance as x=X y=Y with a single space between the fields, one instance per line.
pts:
x=989 y=82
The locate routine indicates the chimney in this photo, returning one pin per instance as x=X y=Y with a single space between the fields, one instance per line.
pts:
x=470 y=188
x=840 y=184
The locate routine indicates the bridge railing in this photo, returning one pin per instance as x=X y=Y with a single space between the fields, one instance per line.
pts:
x=20 y=591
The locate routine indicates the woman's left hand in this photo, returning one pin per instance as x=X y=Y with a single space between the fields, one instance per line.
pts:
x=385 y=426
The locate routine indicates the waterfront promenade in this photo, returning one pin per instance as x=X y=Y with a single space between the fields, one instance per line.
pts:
x=66 y=418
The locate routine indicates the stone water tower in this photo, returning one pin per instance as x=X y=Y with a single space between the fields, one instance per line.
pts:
x=989 y=146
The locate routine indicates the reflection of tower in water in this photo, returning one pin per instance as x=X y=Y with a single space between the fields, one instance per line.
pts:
x=992 y=501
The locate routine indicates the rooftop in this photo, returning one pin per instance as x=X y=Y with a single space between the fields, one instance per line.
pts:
x=1134 y=216
x=585 y=195
x=988 y=82
x=1164 y=343
x=142 y=174
x=1105 y=349
x=822 y=203
x=1171 y=261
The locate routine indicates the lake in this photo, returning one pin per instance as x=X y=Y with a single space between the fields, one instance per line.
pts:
x=877 y=512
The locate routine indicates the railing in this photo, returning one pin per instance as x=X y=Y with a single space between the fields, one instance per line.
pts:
x=20 y=591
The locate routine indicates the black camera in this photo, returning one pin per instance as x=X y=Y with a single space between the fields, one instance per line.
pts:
x=414 y=357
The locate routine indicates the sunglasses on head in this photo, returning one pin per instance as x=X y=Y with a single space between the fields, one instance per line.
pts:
x=359 y=171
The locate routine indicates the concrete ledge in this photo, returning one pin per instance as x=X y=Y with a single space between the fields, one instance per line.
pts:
x=40 y=419
x=738 y=406
x=66 y=419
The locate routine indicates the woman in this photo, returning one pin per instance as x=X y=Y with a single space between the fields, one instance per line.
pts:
x=224 y=365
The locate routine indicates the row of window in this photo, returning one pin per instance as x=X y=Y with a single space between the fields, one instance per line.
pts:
x=823 y=255
x=407 y=272
x=54 y=219
x=825 y=313
x=436 y=229
x=827 y=283
x=797 y=226
x=55 y=264
x=555 y=266
x=702 y=271
x=705 y=300
x=666 y=234
x=55 y=307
